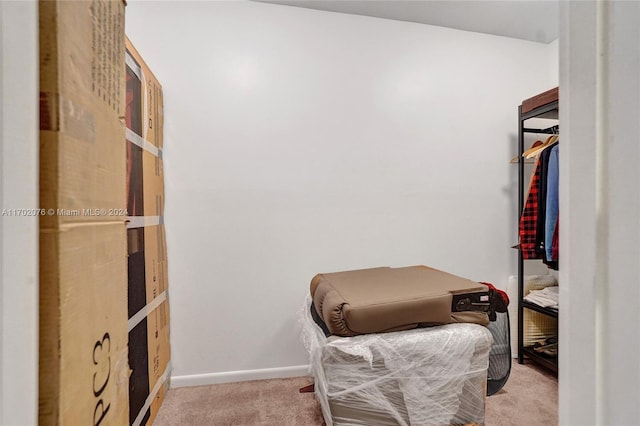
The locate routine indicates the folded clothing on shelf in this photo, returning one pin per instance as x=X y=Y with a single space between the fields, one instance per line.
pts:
x=536 y=325
x=547 y=297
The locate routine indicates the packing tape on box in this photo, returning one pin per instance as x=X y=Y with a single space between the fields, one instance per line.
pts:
x=138 y=140
x=59 y=114
x=144 y=312
x=152 y=395
x=131 y=63
x=138 y=70
x=142 y=221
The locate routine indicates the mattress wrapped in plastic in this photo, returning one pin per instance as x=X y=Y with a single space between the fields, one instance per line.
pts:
x=424 y=376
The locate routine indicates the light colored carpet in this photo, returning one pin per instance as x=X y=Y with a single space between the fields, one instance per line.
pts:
x=529 y=398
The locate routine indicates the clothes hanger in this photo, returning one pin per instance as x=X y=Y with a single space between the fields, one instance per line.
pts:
x=542 y=147
x=537 y=144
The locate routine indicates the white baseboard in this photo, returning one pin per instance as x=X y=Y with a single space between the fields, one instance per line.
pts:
x=238 y=376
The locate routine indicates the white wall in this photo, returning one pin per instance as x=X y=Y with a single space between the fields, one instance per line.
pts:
x=300 y=141
x=599 y=208
x=553 y=62
x=18 y=190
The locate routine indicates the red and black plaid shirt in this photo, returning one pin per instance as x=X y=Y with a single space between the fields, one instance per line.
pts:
x=528 y=220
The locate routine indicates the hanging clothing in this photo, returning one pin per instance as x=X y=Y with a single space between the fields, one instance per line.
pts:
x=538 y=226
x=542 y=200
x=551 y=214
x=555 y=242
x=529 y=218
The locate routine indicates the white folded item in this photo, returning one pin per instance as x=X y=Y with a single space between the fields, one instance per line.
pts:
x=547 y=297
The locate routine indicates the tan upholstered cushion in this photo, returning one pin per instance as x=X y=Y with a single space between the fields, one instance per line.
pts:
x=391 y=299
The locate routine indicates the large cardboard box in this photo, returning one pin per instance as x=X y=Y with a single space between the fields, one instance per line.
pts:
x=149 y=359
x=84 y=369
x=147 y=265
x=148 y=307
x=144 y=120
x=145 y=115
x=145 y=181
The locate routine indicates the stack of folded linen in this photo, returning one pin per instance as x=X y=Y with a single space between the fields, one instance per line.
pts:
x=547 y=297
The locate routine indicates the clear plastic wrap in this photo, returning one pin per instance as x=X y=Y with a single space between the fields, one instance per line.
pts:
x=426 y=376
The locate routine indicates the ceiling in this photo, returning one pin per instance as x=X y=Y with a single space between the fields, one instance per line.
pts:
x=523 y=19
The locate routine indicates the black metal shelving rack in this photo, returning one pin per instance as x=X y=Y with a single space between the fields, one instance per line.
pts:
x=548 y=110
